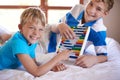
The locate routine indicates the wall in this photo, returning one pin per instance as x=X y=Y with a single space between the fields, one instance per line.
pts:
x=112 y=21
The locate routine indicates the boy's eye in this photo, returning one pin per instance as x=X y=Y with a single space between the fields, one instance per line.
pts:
x=99 y=9
x=31 y=27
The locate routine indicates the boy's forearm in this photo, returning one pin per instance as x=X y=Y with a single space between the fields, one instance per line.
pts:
x=5 y=37
x=48 y=66
x=102 y=59
x=54 y=28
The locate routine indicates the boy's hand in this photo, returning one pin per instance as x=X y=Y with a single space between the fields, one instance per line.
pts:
x=86 y=61
x=59 y=67
x=64 y=55
x=66 y=31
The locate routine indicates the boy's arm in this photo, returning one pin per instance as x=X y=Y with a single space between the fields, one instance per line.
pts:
x=59 y=67
x=4 y=37
x=35 y=70
x=102 y=58
x=87 y=61
x=53 y=27
x=64 y=30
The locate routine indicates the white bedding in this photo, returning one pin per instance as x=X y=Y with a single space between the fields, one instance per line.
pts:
x=109 y=70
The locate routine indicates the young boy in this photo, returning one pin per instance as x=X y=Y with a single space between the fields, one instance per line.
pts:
x=20 y=48
x=91 y=15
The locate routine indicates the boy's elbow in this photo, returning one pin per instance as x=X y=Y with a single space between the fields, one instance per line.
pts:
x=38 y=72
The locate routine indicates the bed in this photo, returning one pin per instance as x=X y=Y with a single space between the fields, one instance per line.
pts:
x=109 y=70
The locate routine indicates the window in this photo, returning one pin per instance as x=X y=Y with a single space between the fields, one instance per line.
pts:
x=62 y=2
x=56 y=9
x=9 y=18
x=10 y=10
x=20 y=2
x=55 y=15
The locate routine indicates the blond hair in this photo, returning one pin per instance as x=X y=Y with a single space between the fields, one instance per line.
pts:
x=109 y=3
x=33 y=13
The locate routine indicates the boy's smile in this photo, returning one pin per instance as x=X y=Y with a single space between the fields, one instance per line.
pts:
x=94 y=10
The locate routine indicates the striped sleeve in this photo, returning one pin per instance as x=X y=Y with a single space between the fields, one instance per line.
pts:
x=97 y=36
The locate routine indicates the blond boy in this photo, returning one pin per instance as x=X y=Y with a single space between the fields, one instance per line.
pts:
x=20 y=48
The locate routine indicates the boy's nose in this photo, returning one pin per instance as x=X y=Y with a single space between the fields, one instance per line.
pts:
x=36 y=32
x=92 y=10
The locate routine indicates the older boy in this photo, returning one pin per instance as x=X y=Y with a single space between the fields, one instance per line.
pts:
x=91 y=15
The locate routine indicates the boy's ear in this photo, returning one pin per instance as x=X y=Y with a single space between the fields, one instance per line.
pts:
x=20 y=27
x=106 y=13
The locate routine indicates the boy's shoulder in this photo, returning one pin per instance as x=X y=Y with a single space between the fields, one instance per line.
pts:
x=99 y=25
x=18 y=37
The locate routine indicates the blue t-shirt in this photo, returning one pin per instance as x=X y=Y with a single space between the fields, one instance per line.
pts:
x=15 y=45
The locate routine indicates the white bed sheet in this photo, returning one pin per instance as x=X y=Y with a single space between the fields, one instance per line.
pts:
x=109 y=70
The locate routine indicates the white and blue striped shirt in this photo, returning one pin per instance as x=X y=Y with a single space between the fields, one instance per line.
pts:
x=97 y=34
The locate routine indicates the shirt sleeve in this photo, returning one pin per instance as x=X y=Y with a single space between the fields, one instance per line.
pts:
x=21 y=47
x=98 y=40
